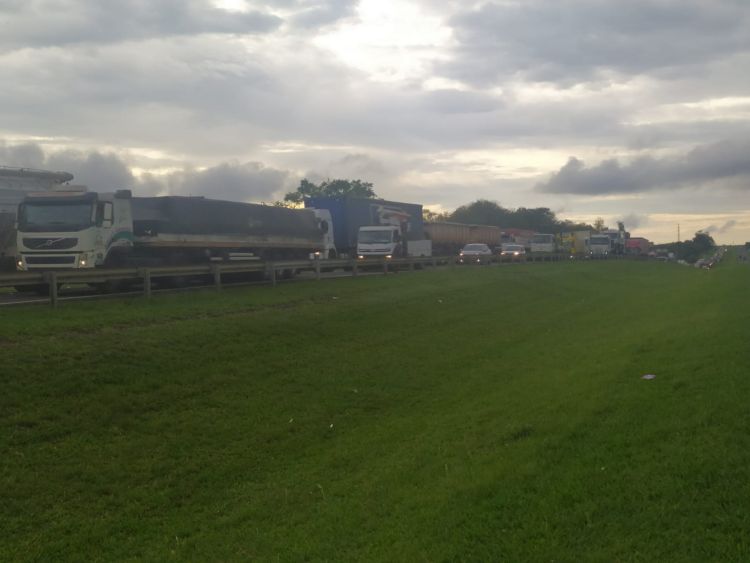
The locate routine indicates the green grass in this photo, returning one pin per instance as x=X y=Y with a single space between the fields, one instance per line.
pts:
x=485 y=414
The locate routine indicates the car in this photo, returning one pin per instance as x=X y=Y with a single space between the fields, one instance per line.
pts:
x=475 y=253
x=510 y=251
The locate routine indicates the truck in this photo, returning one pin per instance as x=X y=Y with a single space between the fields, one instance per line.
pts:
x=374 y=228
x=600 y=245
x=637 y=246
x=575 y=243
x=617 y=237
x=543 y=242
x=81 y=229
x=513 y=235
x=449 y=238
x=15 y=183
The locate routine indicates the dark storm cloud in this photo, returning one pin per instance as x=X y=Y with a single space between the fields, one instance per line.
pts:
x=96 y=170
x=93 y=169
x=27 y=155
x=40 y=23
x=232 y=181
x=250 y=181
x=570 y=41
x=725 y=160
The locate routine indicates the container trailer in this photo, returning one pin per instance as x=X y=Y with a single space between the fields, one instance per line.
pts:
x=449 y=238
x=79 y=229
x=374 y=228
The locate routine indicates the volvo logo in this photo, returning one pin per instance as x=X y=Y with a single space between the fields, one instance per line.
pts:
x=49 y=242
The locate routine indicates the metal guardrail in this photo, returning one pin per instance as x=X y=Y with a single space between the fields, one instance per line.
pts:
x=49 y=282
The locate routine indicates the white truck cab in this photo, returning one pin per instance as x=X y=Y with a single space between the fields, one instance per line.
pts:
x=382 y=241
x=387 y=241
x=543 y=242
x=600 y=245
x=72 y=229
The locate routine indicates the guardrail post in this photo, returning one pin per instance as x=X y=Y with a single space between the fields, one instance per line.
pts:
x=355 y=268
x=272 y=273
x=385 y=266
x=217 y=276
x=317 y=269
x=434 y=262
x=52 y=283
x=146 y=283
x=411 y=264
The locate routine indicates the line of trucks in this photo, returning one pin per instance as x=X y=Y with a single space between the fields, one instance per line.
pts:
x=64 y=227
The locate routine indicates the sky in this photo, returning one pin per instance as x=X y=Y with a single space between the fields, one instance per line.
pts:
x=636 y=111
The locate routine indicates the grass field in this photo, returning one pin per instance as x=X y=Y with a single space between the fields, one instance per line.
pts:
x=482 y=414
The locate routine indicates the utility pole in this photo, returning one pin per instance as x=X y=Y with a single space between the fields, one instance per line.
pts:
x=678 y=232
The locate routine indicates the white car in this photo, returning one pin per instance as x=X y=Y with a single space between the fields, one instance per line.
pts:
x=475 y=253
x=512 y=251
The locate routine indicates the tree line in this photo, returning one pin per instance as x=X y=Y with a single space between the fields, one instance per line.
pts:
x=479 y=212
x=700 y=246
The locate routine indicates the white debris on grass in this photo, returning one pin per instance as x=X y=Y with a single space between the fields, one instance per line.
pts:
x=649 y=376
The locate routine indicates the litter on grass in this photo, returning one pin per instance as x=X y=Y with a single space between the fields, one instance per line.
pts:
x=649 y=376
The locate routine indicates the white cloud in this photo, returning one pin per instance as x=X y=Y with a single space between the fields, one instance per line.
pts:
x=439 y=103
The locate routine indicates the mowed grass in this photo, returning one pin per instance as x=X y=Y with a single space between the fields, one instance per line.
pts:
x=478 y=414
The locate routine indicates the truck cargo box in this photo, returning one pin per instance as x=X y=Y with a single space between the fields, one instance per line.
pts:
x=349 y=214
x=449 y=238
x=201 y=216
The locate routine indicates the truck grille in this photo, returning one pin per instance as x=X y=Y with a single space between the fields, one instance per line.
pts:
x=50 y=260
x=50 y=243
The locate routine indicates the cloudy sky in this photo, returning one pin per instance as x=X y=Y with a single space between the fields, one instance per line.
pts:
x=636 y=110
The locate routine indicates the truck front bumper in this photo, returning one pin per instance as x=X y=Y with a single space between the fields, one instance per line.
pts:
x=72 y=261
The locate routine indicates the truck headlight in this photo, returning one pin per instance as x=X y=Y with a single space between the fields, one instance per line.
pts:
x=388 y=256
x=361 y=257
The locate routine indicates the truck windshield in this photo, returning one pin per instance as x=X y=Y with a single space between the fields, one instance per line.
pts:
x=599 y=240
x=60 y=217
x=542 y=239
x=375 y=237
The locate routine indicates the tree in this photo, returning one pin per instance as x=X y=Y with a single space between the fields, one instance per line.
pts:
x=539 y=219
x=486 y=212
x=482 y=212
x=692 y=250
x=703 y=242
x=330 y=188
x=599 y=224
x=434 y=217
